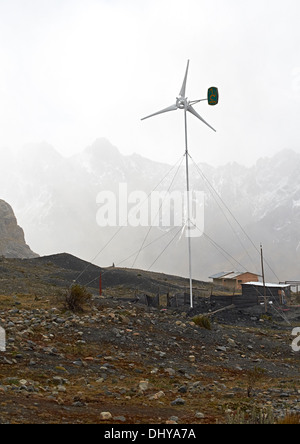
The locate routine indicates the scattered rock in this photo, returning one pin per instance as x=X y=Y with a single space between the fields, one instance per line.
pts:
x=157 y=396
x=178 y=401
x=144 y=386
x=105 y=416
x=170 y=371
x=119 y=418
x=142 y=358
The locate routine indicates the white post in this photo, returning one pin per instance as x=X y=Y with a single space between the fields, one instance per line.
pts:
x=188 y=208
x=2 y=340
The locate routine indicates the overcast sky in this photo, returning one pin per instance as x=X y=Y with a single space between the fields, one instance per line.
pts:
x=75 y=70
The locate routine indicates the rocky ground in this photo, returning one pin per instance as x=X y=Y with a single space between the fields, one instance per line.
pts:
x=120 y=362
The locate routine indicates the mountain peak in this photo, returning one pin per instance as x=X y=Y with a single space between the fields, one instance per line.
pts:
x=103 y=147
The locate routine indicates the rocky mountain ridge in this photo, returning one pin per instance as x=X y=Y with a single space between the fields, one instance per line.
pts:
x=12 y=241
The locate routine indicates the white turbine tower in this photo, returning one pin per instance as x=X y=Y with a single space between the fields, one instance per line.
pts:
x=182 y=102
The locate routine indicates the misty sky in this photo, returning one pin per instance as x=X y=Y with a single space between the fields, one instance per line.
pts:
x=75 y=70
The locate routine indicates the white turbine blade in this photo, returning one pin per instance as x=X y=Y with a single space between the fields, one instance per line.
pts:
x=166 y=110
x=183 y=88
x=193 y=111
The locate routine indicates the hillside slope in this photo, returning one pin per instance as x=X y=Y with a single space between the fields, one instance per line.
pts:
x=142 y=365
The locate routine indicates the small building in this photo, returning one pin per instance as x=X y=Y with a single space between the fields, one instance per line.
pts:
x=253 y=294
x=276 y=293
x=295 y=286
x=233 y=280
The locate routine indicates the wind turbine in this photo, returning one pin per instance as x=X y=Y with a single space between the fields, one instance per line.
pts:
x=183 y=103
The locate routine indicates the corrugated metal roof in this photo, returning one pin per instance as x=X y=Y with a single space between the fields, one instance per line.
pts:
x=219 y=275
x=234 y=274
x=260 y=284
x=228 y=274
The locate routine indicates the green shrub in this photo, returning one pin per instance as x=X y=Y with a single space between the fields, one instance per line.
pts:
x=254 y=376
x=203 y=322
x=76 y=298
